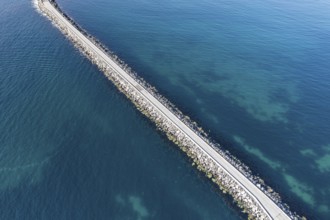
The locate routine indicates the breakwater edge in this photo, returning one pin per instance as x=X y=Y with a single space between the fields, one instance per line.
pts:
x=254 y=197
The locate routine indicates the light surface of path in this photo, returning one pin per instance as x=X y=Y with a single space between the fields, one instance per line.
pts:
x=272 y=210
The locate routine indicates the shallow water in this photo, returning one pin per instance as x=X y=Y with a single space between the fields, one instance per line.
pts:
x=254 y=73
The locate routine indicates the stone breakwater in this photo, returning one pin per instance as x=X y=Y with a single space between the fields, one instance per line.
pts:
x=204 y=162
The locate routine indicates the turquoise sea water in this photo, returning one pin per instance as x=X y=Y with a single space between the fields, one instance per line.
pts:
x=253 y=73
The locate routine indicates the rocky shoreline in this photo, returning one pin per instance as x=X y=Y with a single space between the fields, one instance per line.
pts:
x=201 y=159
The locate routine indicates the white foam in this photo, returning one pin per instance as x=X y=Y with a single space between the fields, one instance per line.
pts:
x=36 y=6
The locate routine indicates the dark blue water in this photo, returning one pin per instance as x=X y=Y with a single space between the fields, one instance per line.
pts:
x=253 y=73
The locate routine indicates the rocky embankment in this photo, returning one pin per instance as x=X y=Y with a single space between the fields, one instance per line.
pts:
x=219 y=175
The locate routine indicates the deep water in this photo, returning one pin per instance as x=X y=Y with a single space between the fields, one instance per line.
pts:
x=255 y=74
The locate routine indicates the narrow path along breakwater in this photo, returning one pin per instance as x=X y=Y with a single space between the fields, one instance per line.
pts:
x=250 y=193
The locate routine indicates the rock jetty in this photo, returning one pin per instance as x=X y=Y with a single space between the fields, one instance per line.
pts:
x=244 y=198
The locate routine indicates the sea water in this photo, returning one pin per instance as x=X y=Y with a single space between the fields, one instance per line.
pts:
x=255 y=74
x=73 y=147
